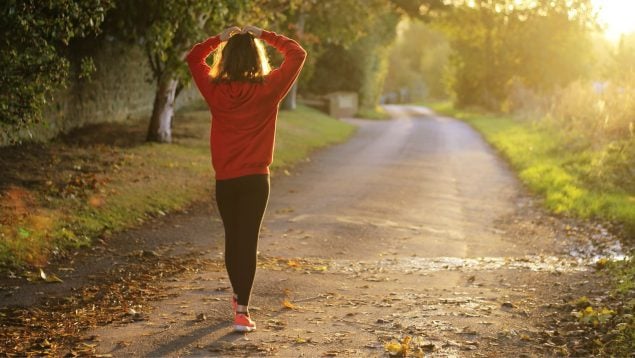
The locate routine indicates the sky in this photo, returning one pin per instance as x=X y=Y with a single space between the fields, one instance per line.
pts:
x=617 y=15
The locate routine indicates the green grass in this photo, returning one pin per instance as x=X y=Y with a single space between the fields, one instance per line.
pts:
x=372 y=113
x=623 y=280
x=443 y=107
x=554 y=172
x=302 y=131
x=136 y=183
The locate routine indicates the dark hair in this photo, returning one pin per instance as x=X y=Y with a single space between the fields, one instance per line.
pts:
x=241 y=58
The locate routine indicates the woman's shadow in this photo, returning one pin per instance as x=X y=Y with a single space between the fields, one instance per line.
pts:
x=178 y=343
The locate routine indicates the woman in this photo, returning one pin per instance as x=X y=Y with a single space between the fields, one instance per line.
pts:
x=243 y=98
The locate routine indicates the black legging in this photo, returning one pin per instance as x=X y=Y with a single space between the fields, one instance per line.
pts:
x=241 y=203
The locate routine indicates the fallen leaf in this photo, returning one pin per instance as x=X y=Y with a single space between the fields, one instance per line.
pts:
x=601 y=263
x=24 y=233
x=293 y=263
x=96 y=201
x=399 y=349
x=52 y=278
x=393 y=348
x=150 y=253
x=405 y=344
x=287 y=304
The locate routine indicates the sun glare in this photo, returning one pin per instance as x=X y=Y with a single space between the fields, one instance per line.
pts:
x=616 y=16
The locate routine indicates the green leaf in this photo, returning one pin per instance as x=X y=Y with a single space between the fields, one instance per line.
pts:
x=24 y=233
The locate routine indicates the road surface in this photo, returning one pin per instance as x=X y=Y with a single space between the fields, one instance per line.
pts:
x=413 y=228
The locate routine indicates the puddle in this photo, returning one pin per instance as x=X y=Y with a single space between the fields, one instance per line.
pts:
x=536 y=263
x=610 y=250
x=531 y=263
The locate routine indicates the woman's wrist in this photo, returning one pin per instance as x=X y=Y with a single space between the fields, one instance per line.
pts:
x=253 y=30
x=228 y=33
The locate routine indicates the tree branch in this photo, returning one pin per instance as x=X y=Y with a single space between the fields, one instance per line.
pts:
x=153 y=67
x=179 y=88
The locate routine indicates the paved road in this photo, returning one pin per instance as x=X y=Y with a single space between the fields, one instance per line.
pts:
x=417 y=175
x=414 y=227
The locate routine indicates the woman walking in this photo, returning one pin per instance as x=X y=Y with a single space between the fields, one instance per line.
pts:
x=243 y=97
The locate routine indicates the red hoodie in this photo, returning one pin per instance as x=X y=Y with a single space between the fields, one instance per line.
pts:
x=243 y=113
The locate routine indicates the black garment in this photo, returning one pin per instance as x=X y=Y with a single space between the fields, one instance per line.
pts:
x=241 y=202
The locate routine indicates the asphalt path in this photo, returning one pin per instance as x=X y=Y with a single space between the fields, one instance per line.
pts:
x=414 y=228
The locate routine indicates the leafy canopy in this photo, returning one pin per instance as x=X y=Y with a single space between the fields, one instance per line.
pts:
x=32 y=60
x=542 y=44
x=168 y=29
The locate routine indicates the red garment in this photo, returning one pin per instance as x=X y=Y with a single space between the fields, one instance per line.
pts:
x=243 y=113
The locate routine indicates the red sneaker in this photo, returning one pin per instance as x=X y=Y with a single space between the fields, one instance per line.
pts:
x=242 y=323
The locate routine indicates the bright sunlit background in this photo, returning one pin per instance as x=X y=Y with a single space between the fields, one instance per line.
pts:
x=617 y=17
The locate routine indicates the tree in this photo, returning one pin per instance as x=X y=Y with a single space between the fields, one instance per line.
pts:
x=331 y=30
x=360 y=63
x=622 y=64
x=337 y=69
x=420 y=9
x=542 y=45
x=372 y=51
x=319 y=26
x=418 y=60
x=167 y=30
x=32 y=52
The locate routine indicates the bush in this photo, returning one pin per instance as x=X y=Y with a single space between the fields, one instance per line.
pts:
x=615 y=165
x=600 y=113
x=33 y=64
x=597 y=121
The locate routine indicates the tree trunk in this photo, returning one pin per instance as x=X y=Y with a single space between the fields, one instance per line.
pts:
x=160 y=129
x=289 y=101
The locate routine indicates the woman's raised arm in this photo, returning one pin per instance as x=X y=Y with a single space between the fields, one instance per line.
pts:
x=294 y=55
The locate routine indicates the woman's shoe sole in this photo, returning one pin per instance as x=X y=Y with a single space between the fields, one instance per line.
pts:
x=239 y=328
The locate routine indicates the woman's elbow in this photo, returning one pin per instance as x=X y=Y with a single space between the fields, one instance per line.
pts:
x=302 y=54
x=194 y=55
x=189 y=58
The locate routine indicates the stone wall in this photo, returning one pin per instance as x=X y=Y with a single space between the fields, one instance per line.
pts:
x=120 y=89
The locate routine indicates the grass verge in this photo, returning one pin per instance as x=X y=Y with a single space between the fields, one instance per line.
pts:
x=372 y=113
x=105 y=178
x=553 y=171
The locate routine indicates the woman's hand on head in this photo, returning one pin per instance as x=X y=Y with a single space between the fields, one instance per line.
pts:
x=253 y=30
x=229 y=32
